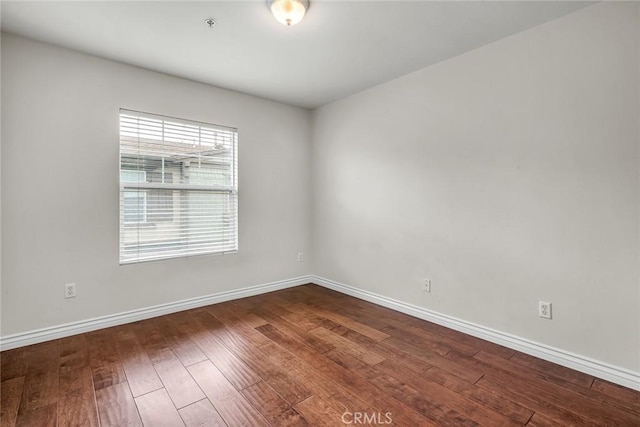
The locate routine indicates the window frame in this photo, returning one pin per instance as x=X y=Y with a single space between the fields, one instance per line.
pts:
x=142 y=187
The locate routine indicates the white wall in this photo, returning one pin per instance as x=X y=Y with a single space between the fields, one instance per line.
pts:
x=507 y=175
x=60 y=187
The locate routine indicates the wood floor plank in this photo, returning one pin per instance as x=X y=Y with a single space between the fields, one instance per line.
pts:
x=106 y=368
x=76 y=394
x=346 y=361
x=240 y=311
x=512 y=410
x=250 y=352
x=340 y=395
x=289 y=342
x=305 y=319
x=606 y=411
x=77 y=401
x=360 y=395
x=151 y=336
x=465 y=344
x=434 y=410
x=438 y=344
x=41 y=379
x=310 y=340
x=318 y=412
x=500 y=368
x=439 y=413
x=401 y=358
x=346 y=346
x=44 y=416
x=10 y=395
x=566 y=399
x=157 y=410
x=618 y=392
x=180 y=341
x=12 y=364
x=230 y=404
x=445 y=397
x=74 y=352
x=433 y=359
x=141 y=375
x=272 y=407
x=78 y=408
x=345 y=321
x=201 y=414
x=540 y=365
x=252 y=321
x=304 y=293
x=486 y=363
x=181 y=387
x=313 y=379
x=203 y=328
x=75 y=369
x=541 y=420
x=116 y=407
x=556 y=377
x=243 y=325
x=561 y=415
x=75 y=379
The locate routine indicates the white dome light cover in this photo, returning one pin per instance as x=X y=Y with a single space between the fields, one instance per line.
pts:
x=288 y=12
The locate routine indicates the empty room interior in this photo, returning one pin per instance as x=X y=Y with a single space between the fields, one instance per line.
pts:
x=320 y=213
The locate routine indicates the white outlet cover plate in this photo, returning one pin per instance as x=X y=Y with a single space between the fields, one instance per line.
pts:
x=70 y=290
x=544 y=309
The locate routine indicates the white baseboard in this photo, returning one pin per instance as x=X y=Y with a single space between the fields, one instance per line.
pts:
x=615 y=374
x=45 y=334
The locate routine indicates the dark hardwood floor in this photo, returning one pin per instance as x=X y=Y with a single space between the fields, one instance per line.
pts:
x=302 y=356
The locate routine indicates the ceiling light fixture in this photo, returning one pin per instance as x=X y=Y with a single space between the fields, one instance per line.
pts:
x=288 y=12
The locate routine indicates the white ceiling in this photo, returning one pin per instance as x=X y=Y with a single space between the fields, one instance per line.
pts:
x=340 y=48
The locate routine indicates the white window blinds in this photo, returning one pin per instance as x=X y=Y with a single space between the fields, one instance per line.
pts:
x=178 y=188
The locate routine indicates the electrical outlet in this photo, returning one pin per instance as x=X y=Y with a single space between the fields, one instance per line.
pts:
x=300 y=257
x=544 y=309
x=70 y=290
x=426 y=285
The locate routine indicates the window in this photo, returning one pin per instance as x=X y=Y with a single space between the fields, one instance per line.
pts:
x=178 y=188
